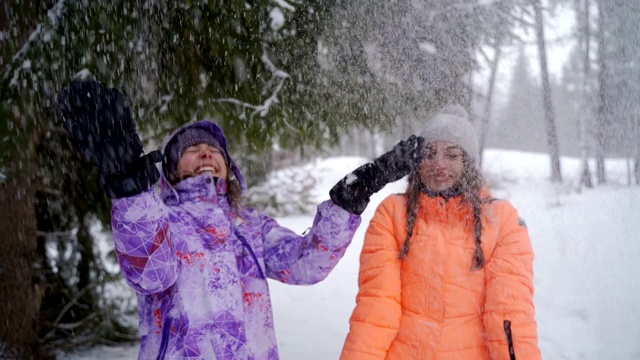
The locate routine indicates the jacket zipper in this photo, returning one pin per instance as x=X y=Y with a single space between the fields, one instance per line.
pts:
x=245 y=243
x=507 y=331
x=165 y=339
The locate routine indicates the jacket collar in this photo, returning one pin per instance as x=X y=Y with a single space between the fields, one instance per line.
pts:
x=449 y=209
x=447 y=194
x=203 y=187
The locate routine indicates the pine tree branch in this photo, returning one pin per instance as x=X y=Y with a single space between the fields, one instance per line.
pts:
x=56 y=323
x=262 y=109
x=285 y=5
x=40 y=35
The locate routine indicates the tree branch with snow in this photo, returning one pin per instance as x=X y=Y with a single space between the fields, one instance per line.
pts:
x=277 y=74
x=41 y=35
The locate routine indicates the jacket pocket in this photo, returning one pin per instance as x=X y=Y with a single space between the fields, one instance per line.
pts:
x=507 y=331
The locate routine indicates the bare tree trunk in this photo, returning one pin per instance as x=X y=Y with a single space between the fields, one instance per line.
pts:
x=602 y=98
x=371 y=144
x=86 y=265
x=484 y=129
x=20 y=287
x=636 y=169
x=549 y=116
x=585 y=38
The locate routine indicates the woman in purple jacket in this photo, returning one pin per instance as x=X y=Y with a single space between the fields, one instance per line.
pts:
x=197 y=258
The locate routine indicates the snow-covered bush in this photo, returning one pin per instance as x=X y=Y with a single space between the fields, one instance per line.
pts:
x=286 y=192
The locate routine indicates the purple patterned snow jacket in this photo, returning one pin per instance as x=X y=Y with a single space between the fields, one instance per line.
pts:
x=201 y=274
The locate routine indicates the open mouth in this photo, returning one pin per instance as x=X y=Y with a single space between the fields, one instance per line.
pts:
x=205 y=169
x=440 y=176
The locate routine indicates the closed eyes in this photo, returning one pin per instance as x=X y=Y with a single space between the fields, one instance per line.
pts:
x=453 y=153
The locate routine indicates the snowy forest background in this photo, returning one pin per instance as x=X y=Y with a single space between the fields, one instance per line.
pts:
x=289 y=81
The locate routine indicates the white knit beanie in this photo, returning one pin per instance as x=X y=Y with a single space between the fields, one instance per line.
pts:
x=452 y=124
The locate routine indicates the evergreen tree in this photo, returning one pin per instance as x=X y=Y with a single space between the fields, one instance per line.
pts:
x=415 y=56
x=250 y=65
x=522 y=125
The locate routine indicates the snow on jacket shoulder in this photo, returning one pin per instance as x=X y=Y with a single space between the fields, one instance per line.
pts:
x=431 y=305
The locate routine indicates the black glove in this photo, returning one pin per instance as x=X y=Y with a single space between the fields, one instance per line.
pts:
x=102 y=129
x=139 y=177
x=352 y=193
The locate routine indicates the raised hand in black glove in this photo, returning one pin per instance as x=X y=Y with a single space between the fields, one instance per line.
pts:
x=353 y=192
x=102 y=128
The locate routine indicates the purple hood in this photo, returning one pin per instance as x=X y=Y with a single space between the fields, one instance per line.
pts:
x=168 y=193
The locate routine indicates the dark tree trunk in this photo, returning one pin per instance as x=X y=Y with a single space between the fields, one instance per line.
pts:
x=87 y=258
x=20 y=285
x=549 y=115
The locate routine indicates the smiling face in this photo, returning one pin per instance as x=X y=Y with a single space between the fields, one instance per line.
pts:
x=201 y=158
x=442 y=166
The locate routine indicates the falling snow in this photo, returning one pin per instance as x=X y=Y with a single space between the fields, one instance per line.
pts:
x=277 y=18
x=585 y=299
x=399 y=59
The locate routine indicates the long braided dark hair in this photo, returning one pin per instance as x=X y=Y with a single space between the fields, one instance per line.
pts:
x=471 y=183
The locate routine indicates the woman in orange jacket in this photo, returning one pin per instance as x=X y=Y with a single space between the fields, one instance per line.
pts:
x=446 y=270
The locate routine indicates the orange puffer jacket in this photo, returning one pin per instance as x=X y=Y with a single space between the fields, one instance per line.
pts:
x=430 y=305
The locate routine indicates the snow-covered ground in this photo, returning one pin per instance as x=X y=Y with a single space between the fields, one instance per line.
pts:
x=586 y=269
